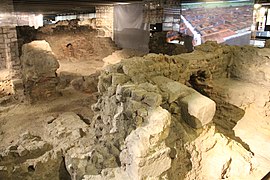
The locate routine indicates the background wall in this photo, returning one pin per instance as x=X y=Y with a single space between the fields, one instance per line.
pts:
x=104 y=20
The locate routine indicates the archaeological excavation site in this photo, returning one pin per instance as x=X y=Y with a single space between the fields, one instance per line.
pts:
x=134 y=90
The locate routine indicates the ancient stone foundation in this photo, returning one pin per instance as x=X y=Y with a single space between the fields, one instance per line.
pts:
x=188 y=116
x=39 y=67
x=149 y=115
x=9 y=50
x=10 y=65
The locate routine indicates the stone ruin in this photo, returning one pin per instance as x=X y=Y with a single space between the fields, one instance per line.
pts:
x=156 y=117
x=157 y=123
x=39 y=67
x=70 y=40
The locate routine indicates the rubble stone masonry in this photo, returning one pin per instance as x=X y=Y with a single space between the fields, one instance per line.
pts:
x=9 y=57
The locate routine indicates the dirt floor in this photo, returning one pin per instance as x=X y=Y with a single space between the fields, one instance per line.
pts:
x=20 y=118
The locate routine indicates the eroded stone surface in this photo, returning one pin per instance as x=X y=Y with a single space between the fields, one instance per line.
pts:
x=163 y=75
x=227 y=158
x=142 y=128
x=145 y=154
x=39 y=70
x=197 y=110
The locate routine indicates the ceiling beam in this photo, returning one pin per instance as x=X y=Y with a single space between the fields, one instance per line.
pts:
x=60 y=6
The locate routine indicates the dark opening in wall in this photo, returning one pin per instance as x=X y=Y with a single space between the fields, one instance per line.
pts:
x=31 y=168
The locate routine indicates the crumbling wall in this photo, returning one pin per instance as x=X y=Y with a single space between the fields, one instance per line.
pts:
x=135 y=91
x=39 y=70
x=254 y=69
x=134 y=88
x=43 y=156
x=149 y=124
x=8 y=38
x=68 y=25
x=10 y=65
x=210 y=58
x=78 y=44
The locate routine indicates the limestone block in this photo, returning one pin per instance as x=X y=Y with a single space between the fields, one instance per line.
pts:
x=124 y=91
x=149 y=87
x=39 y=67
x=118 y=78
x=38 y=60
x=138 y=94
x=104 y=82
x=11 y=35
x=142 y=112
x=152 y=99
x=197 y=109
x=139 y=78
x=174 y=89
x=156 y=164
x=2 y=46
x=228 y=159
x=146 y=154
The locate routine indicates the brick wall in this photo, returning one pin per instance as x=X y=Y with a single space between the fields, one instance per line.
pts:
x=9 y=56
x=2 y=51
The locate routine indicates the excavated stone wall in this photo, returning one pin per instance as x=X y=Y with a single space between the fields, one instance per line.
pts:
x=8 y=39
x=78 y=43
x=39 y=67
x=254 y=69
x=10 y=65
x=138 y=90
x=150 y=124
x=9 y=51
x=2 y=53
x=71 y=40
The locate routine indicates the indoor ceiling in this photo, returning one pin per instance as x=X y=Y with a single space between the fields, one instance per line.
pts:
x=73 y=6
x=62 y=6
